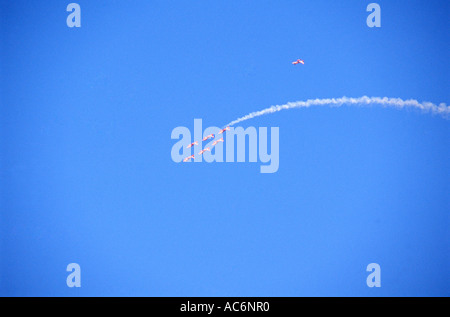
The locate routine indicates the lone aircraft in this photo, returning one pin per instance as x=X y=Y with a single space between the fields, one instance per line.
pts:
x=298 y=61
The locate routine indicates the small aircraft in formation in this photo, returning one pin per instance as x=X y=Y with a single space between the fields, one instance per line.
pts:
x=223 y=130
x=298 y=61
x=188 y=158
x=217 y=141
x=204 y=150
x=192 y=144
x=211 y=136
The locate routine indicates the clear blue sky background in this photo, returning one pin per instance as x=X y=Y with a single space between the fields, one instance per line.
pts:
x=87 y=177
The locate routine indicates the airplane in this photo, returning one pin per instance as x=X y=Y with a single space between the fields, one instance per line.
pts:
x=298 y=61
x=192 y=144
x=223 y=130
x=204 y=150
x=215 y=142
x=211 y=136
x=188 y=158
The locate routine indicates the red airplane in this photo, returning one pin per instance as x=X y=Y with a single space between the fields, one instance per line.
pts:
x=217 y=141
x=298 y=61
x=211 y=136
x=223 y=130
x=204 y=150
x=192 y=144
x=188 y=158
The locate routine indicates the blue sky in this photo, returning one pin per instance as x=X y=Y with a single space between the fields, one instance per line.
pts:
x=87 y=177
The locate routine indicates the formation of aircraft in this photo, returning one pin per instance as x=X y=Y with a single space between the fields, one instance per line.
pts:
x=298 y=61
x=211 y=136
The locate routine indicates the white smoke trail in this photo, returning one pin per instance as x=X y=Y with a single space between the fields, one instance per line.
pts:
x=442 y=109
